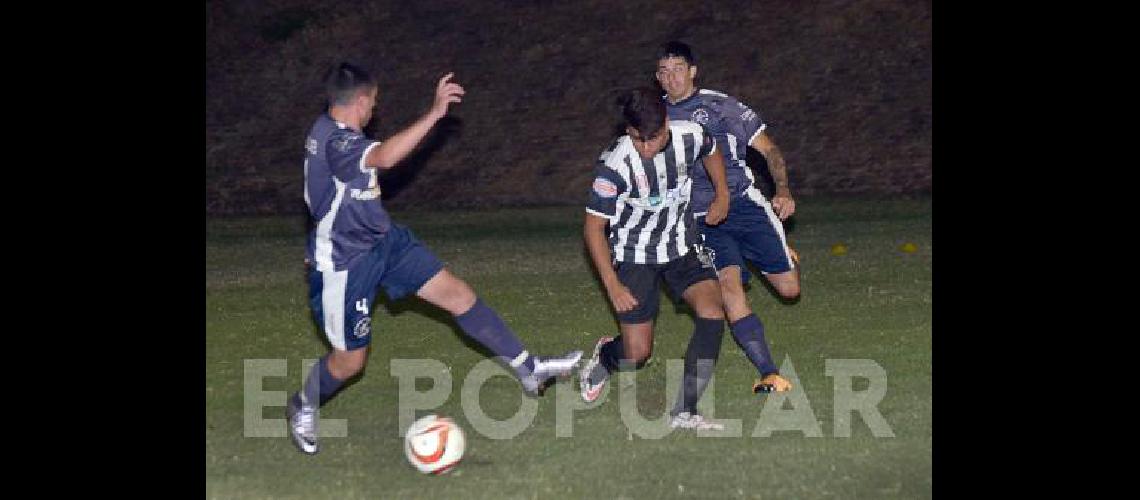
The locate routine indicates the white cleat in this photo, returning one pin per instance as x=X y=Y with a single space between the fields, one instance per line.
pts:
x=590 y=392
x=547 y=368
x=302 y=423
x=685 y=420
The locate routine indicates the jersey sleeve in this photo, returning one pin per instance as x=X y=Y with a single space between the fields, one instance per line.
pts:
x=741 y=121
x=604 y=191
x=346 y=151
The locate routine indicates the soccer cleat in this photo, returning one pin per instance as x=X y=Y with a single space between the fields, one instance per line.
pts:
x=686 y=420
x=302 y=421
x=590 y=392
x=548 y=368
x=771 y=382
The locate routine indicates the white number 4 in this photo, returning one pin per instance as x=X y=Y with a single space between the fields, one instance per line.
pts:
x=362 y=305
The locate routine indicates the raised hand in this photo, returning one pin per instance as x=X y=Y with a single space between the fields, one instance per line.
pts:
x=446 y=92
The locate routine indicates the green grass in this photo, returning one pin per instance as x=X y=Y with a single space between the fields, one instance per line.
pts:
x=872 y=303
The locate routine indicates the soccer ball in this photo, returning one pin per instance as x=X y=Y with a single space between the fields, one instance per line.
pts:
x=434 y=444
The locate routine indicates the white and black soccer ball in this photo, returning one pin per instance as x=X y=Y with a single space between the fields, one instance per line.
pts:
x=434 y=444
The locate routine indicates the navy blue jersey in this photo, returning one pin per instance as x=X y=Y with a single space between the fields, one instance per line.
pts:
x=342 y=194
x=647 y=201
x=734 y=126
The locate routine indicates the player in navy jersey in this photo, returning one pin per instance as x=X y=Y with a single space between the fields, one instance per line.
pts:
x=355 y=247
x=753 y=230
x=638 y=232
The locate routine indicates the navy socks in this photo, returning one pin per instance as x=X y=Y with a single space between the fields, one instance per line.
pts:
x=749 y=333
x=486 y=327
x=319 y=387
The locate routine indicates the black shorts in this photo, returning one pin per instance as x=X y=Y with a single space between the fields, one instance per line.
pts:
x=642 y=280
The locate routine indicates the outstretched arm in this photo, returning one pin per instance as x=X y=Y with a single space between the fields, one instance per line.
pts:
x=782 y=200
x=395 y=148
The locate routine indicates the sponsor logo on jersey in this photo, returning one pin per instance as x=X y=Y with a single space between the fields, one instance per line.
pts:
x=365 y=194
x=311 y=146
x=605 y=187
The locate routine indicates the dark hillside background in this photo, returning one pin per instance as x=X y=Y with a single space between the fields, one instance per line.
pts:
x=845 y=87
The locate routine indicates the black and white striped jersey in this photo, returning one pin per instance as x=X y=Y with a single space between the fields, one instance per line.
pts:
x=647 y=201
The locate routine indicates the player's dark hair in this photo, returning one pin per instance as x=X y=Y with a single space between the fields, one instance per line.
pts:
x=676 y=49
x=643 y=109
x=344 y=81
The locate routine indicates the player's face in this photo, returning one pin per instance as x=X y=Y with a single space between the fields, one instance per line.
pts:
x=676 y=77
x=367 y=103
x=650 y=146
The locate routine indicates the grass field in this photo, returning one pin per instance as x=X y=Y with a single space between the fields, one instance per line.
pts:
x=872 y=303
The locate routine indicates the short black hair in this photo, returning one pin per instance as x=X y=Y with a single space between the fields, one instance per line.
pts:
x=344 y=81
x=644 y=110
x=676 y=49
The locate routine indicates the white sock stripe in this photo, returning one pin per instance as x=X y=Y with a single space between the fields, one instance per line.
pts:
x=518 y=361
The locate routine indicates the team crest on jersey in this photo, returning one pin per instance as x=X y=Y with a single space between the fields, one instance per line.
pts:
x=748 y=115
x=311 y=146
x=363 y=327
x=605 y=187
x=701 y=116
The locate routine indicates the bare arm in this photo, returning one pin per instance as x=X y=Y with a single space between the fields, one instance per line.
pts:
x=395 y=148
x=594 y=232
x=718 y=210
x=782 y=200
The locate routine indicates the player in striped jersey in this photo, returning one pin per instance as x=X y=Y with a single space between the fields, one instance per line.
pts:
x=355 y=247
x=753 y=230
x=641 y=191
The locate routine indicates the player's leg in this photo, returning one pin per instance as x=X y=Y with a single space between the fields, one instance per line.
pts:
x=633 y=347
x=341 y=303
x=761 y=241
x=764 y=244
x=484 y=325
x=787 y=283
x=630 y=350
x=414 y=268
x=725 y=242
x=748 y=331
x=732 y=290
x=695 y=282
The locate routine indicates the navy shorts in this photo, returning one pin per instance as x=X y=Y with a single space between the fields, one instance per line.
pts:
x=642 y=281
x=752 y=232
x=342 y=301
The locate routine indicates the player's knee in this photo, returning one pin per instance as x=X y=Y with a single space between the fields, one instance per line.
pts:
x=711 y=311
x=730 y=285
x=345 y=364
x=789 y=290
x=460 y=298
x=734 y=300
x=639 y=355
